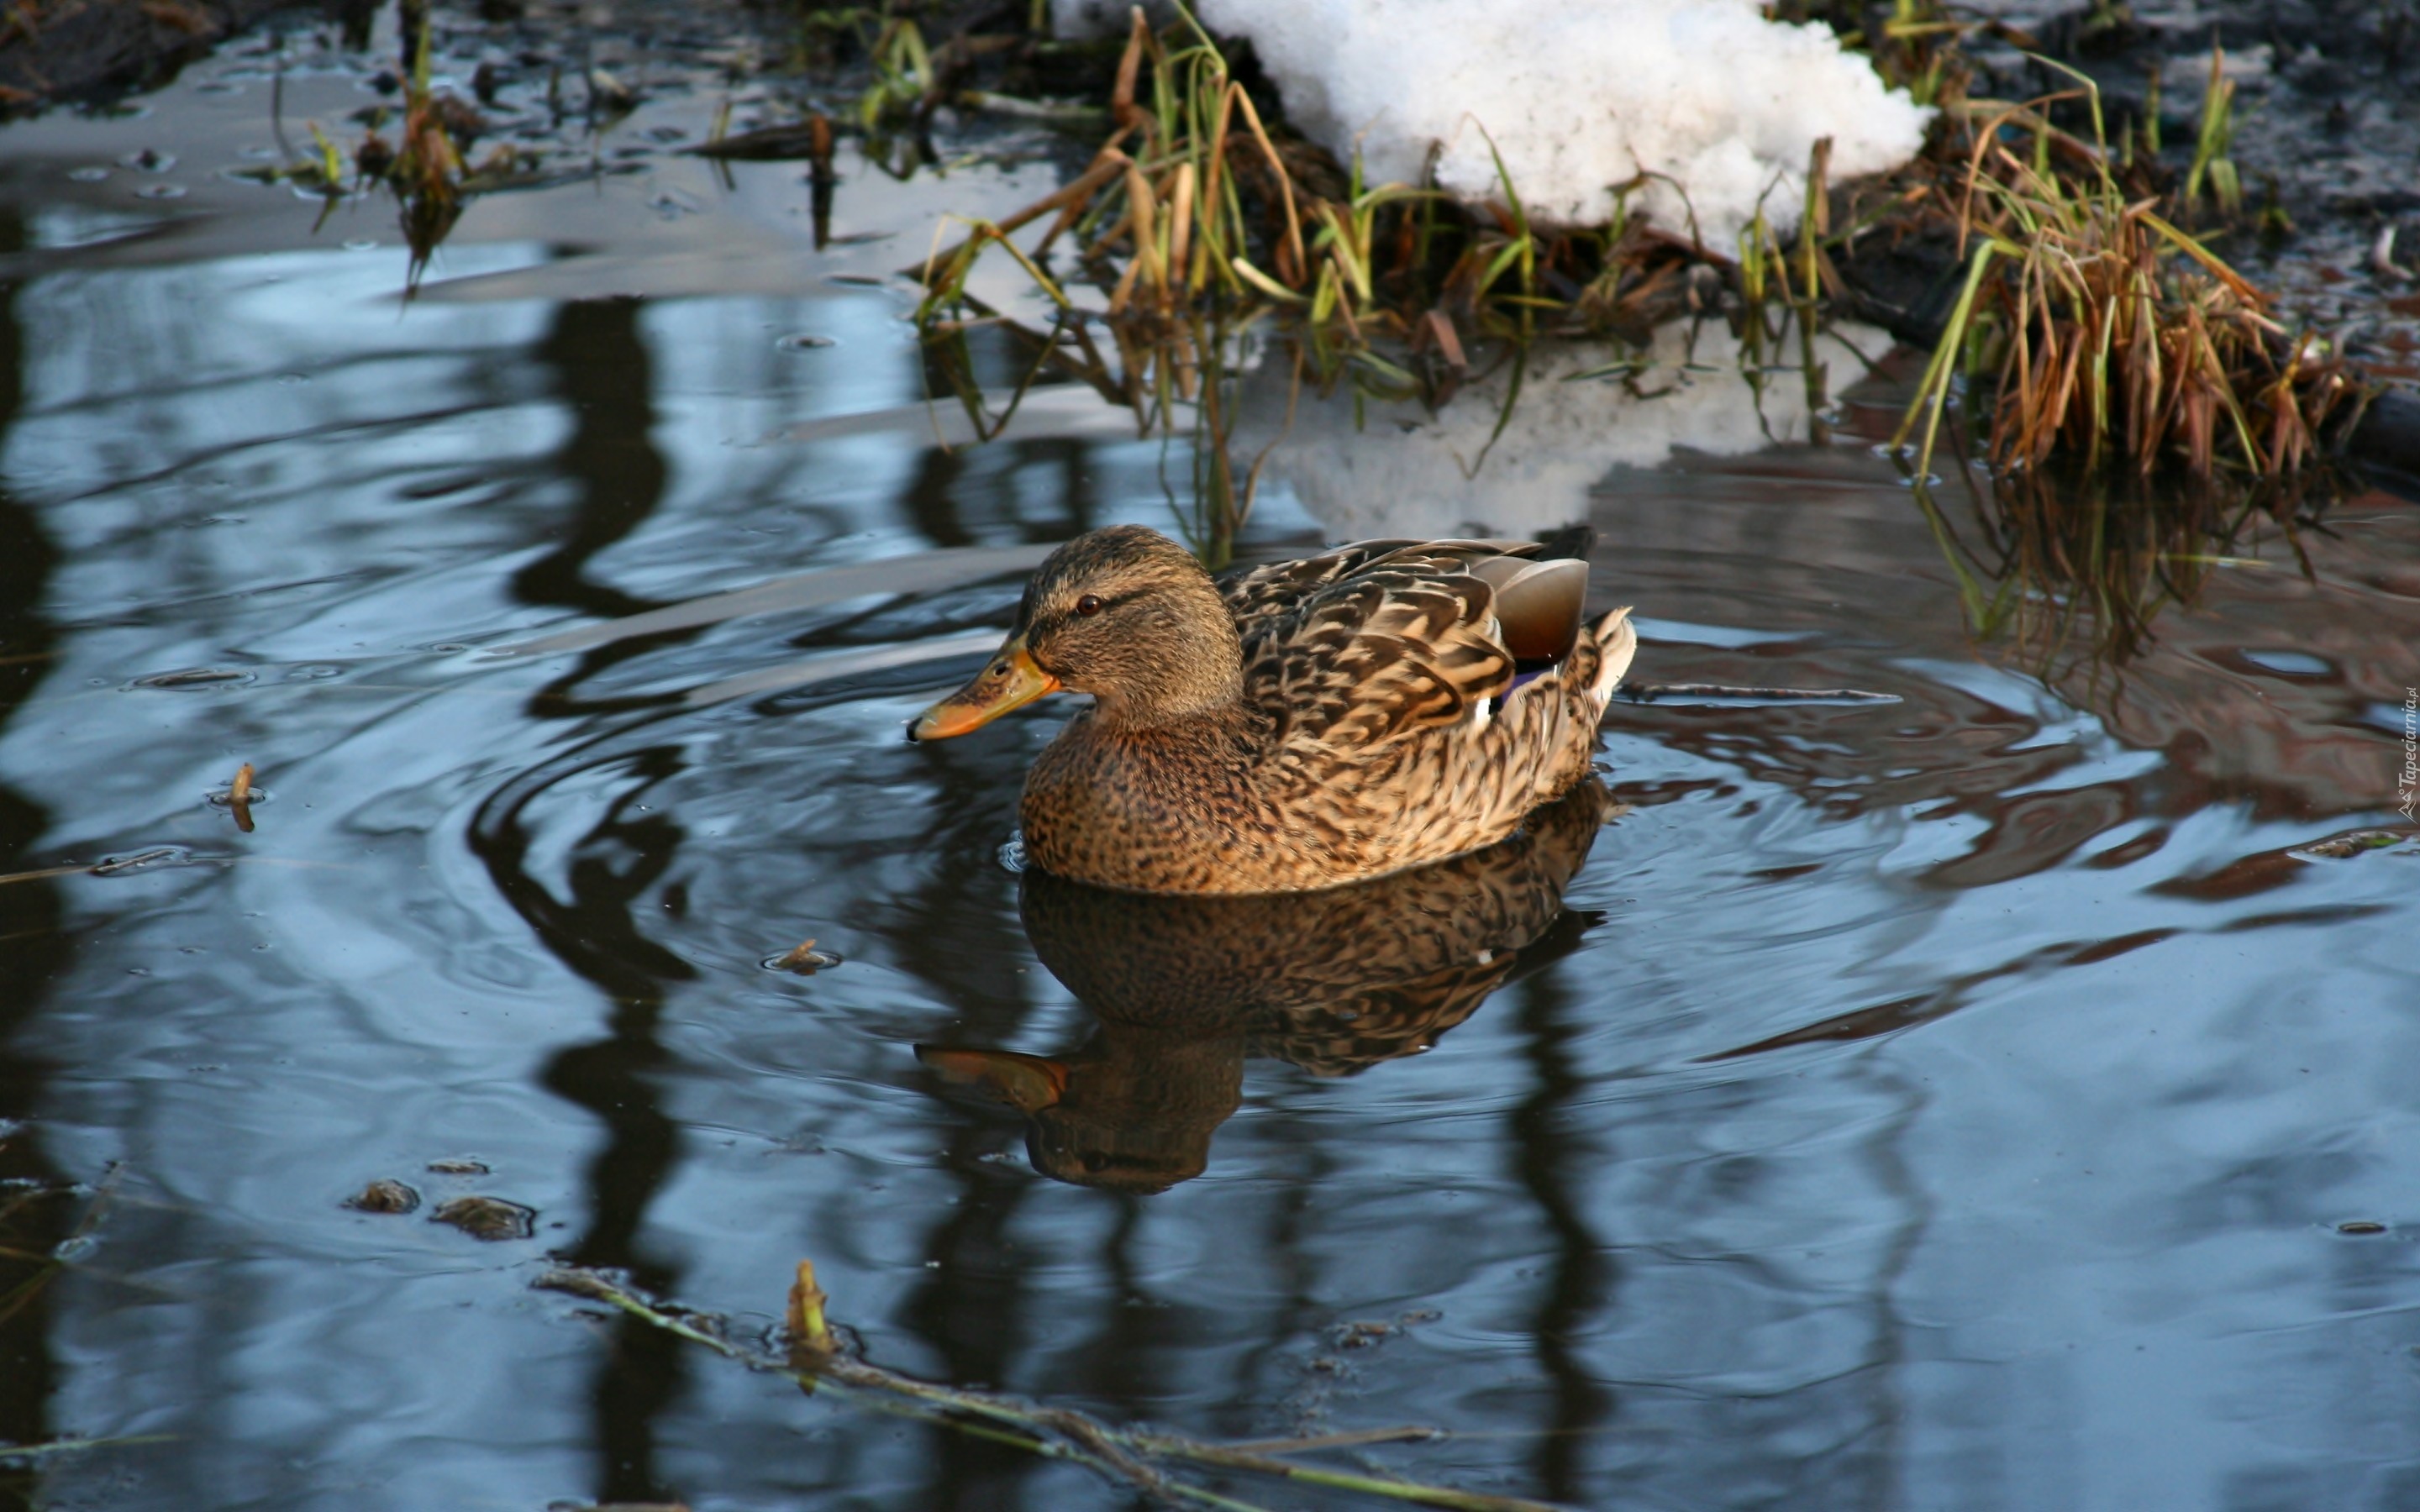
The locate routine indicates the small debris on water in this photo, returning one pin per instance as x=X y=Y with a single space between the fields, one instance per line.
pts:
x=238 y=796
x=489 y=1220
x=802 y=959
x=2361 y=1226
x=609 y=96
x=384 y=1195
x=1367 y=1333
x=110 y=866
x=2382 y=257
x=810 y=139
x=803 y=342
x=2340 y=847
x=576 y=1281
x=458 y=1165
x=160 y=192
x=194 y=677
x=151 y=160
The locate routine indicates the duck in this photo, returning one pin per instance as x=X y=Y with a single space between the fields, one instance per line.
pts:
x=1184 y=991
x=1297 y=725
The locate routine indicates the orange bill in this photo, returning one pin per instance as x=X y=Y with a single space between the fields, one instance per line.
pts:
x=1010 y=680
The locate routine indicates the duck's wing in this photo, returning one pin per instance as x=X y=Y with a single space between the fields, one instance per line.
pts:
x=1257 y=596
x=1410 y=639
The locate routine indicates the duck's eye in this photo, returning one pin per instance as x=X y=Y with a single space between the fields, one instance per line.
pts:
x=1088 y=605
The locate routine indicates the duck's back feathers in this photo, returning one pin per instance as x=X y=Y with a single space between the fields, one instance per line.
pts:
x=1381 y=654
x=1256 y=595
x=1427 y=695
x=1380 y=638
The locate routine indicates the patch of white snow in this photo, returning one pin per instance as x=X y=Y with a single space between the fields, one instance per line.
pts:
x=1579 y=95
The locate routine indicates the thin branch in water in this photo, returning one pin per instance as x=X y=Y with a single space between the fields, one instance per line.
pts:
x=817 y=1365
x=11 y=1454
x=1724 y=693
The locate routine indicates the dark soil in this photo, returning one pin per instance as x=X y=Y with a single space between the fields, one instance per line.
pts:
x=55 y=50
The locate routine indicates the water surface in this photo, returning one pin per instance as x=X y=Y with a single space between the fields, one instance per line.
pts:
x=1957 y=1101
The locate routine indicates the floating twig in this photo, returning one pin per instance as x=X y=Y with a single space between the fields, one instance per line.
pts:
x=22 y=1453
x=1050 y=112
x=818 y=1365
x=2382 y=257
x=1724 y=693
x=1358 y=1438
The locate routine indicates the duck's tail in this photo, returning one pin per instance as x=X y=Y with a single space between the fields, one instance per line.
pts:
x=1617 y=641
x=1560 y=731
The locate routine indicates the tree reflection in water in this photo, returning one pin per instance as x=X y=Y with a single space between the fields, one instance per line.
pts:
x=36 y=1210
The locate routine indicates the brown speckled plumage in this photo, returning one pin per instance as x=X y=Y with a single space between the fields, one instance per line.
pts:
x=1301 y=725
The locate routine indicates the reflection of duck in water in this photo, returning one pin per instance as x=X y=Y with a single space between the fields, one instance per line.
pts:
x=1332 y=981
x=1299 y=725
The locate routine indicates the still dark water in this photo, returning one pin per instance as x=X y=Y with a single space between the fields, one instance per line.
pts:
x=1957 y=1102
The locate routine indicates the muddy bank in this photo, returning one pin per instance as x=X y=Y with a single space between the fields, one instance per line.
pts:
x=65 y=49
x=2323 y=131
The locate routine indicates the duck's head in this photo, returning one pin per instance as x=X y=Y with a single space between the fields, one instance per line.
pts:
x=1124 y=614
x=1132 y=1111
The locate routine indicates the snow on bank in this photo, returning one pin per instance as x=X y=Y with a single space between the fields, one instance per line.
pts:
x=1579 y=95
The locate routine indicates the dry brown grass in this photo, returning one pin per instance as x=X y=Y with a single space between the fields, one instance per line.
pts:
x=1195 y=199
x=2100 y=330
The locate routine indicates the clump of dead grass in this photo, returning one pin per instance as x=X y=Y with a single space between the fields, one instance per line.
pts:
x=2094 y=326
x=428 y=171
x=1196 y=198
